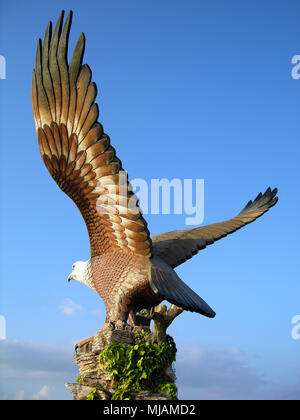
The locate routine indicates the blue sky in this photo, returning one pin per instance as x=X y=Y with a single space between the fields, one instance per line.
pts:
x=187 y=89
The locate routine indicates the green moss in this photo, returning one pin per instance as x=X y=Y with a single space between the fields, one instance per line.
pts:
x=79 y=380
x=171 y=389
x=139 y=367
x=92 y=395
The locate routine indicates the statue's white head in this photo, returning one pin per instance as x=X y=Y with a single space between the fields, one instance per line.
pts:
x=81 y=272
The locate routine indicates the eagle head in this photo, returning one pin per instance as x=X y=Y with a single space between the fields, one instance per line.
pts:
x=81 y=272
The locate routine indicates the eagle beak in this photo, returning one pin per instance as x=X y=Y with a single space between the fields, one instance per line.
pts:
x=70 y=277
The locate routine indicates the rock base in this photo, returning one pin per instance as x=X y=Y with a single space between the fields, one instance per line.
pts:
x=95 y=381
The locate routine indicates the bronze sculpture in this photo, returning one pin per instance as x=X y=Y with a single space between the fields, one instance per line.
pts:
x=129 y=270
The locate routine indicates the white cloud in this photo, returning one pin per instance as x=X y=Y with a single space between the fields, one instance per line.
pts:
x=69 y=307
x=43 y=394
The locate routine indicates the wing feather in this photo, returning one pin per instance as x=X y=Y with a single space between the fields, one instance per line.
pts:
x=47 y=81
x=54 y=69
x=75 y=65
x=84 y=80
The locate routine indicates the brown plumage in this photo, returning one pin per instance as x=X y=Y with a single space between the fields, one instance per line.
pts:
x=127 y=269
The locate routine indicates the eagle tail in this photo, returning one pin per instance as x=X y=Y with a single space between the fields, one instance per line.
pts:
x=166 y=283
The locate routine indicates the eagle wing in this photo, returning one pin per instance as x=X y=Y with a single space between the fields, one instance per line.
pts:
x=177 y=246
x=75 y=149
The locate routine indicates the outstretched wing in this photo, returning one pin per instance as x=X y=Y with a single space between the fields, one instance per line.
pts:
x=176 y=247
x=75 y=149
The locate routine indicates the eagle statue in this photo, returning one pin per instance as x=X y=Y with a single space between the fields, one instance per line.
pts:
x=128 y=269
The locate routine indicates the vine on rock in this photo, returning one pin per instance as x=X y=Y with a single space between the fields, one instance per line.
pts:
x=139 y=367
